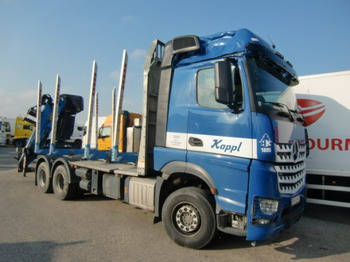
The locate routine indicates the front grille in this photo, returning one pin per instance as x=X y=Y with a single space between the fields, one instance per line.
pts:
x=290 y=153
x=290 y=167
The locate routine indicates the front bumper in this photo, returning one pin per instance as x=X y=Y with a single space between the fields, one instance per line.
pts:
x=286 y=216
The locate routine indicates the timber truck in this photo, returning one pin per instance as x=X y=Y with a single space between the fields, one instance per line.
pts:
x=323 y=99
x=222 y=145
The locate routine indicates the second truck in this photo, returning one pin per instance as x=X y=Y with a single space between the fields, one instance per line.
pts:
x=222 y=145
x=324 y=101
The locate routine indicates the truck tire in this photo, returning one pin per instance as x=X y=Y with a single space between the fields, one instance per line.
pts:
x=43 y=178
x=188 y=217
x=18 y=143
x=77 y=144
x=62 y=189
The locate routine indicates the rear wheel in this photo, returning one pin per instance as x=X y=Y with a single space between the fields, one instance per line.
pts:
x=61 y=187
x=188 y=217
x=43 y=178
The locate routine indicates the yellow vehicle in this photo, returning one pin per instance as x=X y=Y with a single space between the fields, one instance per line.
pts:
x=22 y=131
x=104 y=134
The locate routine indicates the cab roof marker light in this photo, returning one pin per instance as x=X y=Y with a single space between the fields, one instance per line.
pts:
x=279 y=54
x=289 y=63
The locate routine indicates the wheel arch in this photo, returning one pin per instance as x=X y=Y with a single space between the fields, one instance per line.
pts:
x=176 y=175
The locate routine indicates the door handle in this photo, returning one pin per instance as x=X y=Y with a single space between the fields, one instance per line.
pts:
x=193 y=141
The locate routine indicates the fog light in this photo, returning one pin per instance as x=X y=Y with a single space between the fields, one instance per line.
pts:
x=262 y=221
x=268 y=206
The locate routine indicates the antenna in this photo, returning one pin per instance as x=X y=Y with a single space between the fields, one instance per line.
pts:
x=272 y=44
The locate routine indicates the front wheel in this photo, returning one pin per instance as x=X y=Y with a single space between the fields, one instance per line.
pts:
x=61 y=187
x=19 y=143
x=189 y=218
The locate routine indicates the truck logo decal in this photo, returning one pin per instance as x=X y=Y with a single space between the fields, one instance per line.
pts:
x=224 y=145
x=217 y=144
x=312 y=110
x=266 y=144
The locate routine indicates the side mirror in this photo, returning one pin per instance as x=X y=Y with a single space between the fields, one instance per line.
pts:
x=223 y=82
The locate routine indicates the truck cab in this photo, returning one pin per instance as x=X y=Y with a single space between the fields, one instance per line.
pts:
x=105 y=131
x=22 y=131
x=227 y=123
x=2 y=134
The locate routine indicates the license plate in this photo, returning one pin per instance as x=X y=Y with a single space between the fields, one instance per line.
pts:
x=295 y=200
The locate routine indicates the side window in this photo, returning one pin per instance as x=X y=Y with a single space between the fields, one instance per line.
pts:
x=105 y=131
x=206 y=89
x=238 y=89
x=8 y=127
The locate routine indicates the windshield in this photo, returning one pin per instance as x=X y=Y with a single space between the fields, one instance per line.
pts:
x=271 y=86
x=105 y=131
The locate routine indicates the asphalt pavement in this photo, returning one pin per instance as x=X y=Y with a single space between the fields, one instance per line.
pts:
x=38 y=227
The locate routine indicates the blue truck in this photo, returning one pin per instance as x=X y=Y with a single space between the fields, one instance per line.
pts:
x=221 y=144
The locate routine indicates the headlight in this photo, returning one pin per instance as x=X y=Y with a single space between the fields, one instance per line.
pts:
x=268 y=206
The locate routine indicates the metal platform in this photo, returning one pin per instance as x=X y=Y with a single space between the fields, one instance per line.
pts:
x=112 y=168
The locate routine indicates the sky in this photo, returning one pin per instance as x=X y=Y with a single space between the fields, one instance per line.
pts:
x=40 y=39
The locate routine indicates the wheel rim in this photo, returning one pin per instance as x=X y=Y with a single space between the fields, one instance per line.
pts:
x=42 y=178
x=187 y=218
x=60 y=182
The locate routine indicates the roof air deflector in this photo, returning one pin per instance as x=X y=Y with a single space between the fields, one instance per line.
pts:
x=185 y=43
